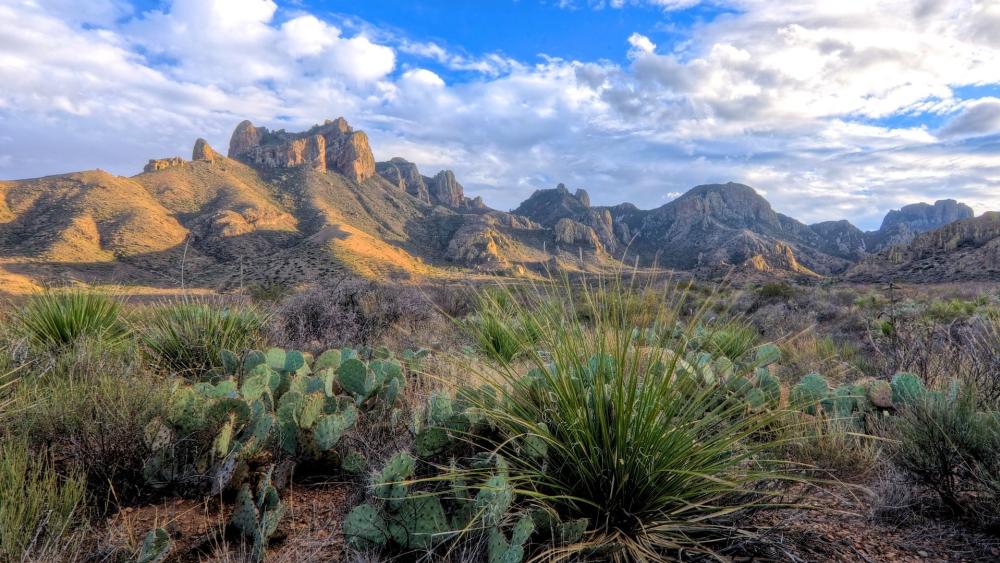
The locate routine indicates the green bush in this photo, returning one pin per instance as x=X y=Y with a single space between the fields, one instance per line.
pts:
x=776 y=290
x=651 y=457
x=56 y=319
x=188 y=338
x=945 y=445
x=38 y=506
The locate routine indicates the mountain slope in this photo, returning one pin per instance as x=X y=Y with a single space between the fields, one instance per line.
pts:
x=295 y=207
x=966 y=250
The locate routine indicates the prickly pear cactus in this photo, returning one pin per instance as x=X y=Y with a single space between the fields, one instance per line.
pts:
x=155 y=547
x=810 y=392
x=354 y=462
x=770 y=386
x=907 y=389
x=880 y=393
x=844 y=401
x=766 y=355
x=364 y=527
x=258 y=517
x=502 y=551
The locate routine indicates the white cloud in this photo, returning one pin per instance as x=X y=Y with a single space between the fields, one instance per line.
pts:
x=641 y=44
x=799 y=99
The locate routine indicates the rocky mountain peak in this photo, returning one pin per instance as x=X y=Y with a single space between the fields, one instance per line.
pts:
x=404 y=175
x=920 y=217
x=735 y=205
x=334 y=146
x=204 y=151
x=445 y=189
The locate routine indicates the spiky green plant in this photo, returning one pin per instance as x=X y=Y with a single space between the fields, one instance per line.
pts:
x=59 y=318
x=188 y=338
x=652 y=457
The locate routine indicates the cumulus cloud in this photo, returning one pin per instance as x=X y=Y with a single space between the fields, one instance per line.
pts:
x=813 y=102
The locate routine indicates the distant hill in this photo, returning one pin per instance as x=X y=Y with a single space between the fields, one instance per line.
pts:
x=965 y=250
x=298 y=207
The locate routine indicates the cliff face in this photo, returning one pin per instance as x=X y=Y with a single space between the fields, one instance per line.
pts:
x=900 y=226
x=334 y=145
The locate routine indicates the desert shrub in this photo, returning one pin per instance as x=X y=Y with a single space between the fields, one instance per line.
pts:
x=946 y=445
x=979 y=345
x=40 y=506
x=776 y=290
x=95 y=424
x=269 y=292
x=652 y=458
x=350 y=311
x=188 y=338
x=455 y=302
x=55 y=319
x=950 y=310
x=835 y=446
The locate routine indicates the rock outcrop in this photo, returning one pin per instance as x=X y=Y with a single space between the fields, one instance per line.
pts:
x=549 y=207
x=841 y=238
x=404 y=175
x=570 y=232
x=155 y=164
x=334 y=145
x=900 y=226
x=203 y=151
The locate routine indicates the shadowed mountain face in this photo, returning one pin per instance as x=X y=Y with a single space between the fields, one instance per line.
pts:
x=296 y=207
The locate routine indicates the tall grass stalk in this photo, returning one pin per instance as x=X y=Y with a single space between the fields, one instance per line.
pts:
x=655 y=460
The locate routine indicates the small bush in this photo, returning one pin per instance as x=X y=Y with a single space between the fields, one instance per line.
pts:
x=949 y=447
x=96 y=425
x=38 y=506
x=776 y=290
x=55 y=319
x=188 y=338
x=350 y=311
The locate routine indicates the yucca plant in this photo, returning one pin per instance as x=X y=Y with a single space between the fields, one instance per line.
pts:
x=59 y=318
x=654 y=459
x=188 y=338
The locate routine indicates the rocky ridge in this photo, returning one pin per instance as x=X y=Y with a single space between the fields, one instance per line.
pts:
x=317 y=201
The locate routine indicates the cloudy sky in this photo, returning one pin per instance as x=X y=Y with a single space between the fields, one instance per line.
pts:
x=831 y=109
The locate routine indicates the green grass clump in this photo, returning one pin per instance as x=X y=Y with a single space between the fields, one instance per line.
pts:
x=654 y=459
x=56 y=319
x=39 y=507
x=187 y=339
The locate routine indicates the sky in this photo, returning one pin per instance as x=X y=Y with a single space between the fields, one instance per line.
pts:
x=830 y=109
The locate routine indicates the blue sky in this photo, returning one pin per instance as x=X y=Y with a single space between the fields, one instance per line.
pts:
x=830 y=109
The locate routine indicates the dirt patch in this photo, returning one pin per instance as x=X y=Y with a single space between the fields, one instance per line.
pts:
x=309 y=531
x=841 y=530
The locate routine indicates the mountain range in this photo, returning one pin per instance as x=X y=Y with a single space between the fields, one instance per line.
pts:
x=289 y=208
